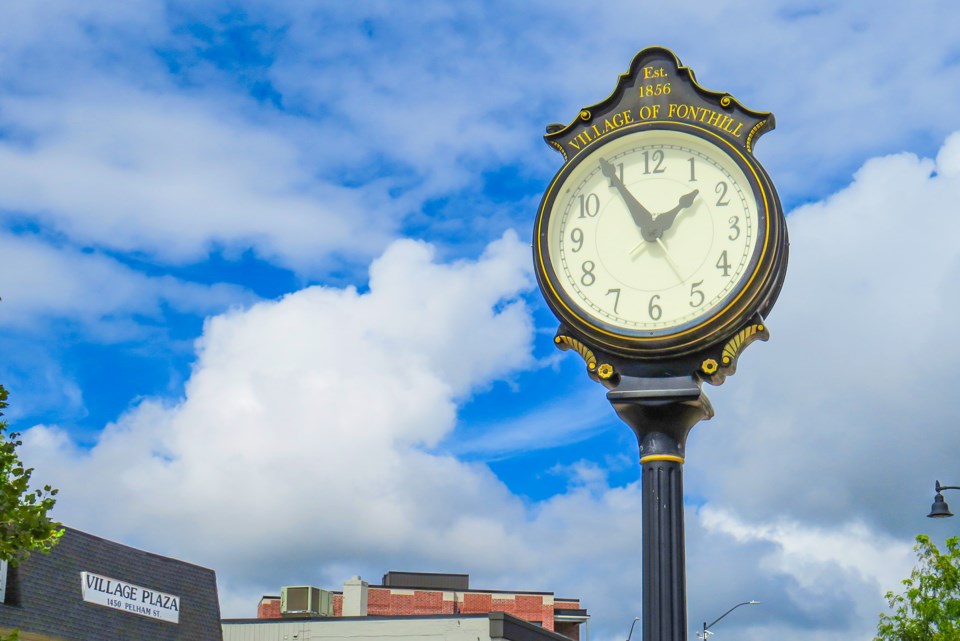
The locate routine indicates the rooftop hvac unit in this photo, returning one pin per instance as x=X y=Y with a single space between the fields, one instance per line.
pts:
x=303 y=600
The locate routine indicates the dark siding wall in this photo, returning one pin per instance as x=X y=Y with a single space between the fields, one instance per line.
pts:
x=44 y=597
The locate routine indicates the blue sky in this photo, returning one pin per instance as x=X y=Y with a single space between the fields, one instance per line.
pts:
x=267 y=265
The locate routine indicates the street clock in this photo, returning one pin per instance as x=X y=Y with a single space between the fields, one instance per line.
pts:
x=660 y=245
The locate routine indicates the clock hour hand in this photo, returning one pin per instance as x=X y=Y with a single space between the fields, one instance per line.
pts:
x=641 y=217
x=664 y=221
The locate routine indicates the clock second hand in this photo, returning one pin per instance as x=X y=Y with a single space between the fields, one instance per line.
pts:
x=669 y=257
x=635 y=251
x=666 y=252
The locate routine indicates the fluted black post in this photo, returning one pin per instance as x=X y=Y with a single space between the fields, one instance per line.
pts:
x=661 y=412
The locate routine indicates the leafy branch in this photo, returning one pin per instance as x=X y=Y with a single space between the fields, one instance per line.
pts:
x=25 y=524
x=928 y=609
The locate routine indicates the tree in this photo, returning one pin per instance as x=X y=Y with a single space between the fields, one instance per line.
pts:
x=25 y=524
x=929 y=607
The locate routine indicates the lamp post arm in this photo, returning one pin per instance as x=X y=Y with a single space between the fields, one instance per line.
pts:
x=707 y=627
x=947 y=487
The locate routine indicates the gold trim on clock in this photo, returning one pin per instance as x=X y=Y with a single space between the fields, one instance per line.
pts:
x=733 y=348
x=567 y=342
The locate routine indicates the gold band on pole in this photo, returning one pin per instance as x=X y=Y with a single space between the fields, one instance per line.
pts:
x=661 y=457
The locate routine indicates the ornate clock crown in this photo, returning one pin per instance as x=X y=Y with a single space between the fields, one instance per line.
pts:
x=657 y=87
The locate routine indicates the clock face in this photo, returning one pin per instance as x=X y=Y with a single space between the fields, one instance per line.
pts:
x=652 y=234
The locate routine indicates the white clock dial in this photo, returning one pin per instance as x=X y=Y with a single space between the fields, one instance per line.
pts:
x=653 y=232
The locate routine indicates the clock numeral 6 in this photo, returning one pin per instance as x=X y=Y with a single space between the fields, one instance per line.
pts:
x=696 y=296
x=653 y=309
x=588 y=278
x=589 y=205
x=577 y=236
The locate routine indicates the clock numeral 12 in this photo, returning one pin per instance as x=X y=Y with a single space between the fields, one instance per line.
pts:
x=657 y=158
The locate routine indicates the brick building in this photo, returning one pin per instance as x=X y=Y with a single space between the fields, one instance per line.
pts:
x=406 y=594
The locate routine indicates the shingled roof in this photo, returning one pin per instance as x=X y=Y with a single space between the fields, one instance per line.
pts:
x=44 y=596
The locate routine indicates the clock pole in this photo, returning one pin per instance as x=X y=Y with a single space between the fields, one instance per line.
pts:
x=661 y=247
x=661 y=412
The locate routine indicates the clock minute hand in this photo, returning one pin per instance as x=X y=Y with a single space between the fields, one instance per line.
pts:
x=664 y=221
x=641 y=217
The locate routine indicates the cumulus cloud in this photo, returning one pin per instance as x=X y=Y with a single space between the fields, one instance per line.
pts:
x=44 y=282
x=316 y=419
x=829 y=438
x=316 y=436
x=150 y=141
x=172 y=177
x=856 y=381
x=311 y=419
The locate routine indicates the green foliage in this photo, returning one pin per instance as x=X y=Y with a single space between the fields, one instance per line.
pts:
x=929 y=607
x=25 y=526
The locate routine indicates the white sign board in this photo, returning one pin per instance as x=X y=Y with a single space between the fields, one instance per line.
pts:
x=3 y=581
x=128 y=597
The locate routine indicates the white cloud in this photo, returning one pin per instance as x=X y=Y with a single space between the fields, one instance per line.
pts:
x=306 y=446
x=44 y=282
x=802 y=550
x=848 y=411
x=172 y=177
x=121 y=131
x=305 y=420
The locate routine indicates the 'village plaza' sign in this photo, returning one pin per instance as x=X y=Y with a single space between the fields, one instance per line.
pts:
x=128 y=597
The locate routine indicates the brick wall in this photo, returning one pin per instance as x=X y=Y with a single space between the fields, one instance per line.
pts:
x=381 y=601
x=476 y=603
x=269 y=608
x=527 y=606
x=393 y=602
x=400 y=602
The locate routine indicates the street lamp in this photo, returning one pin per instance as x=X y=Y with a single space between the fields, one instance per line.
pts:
x=940 y=509
x=703 y=635
x=635 y=619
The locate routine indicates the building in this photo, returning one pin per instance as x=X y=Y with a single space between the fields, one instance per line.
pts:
x=421 y=594
x=90 y=588
x=493 y=626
